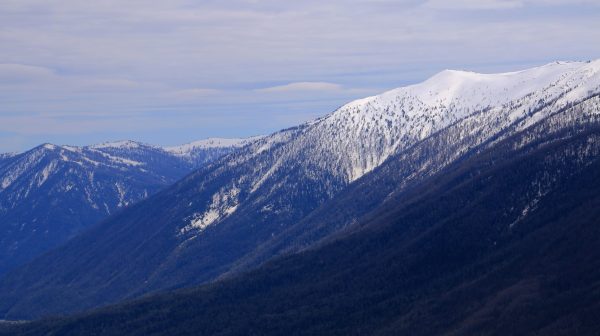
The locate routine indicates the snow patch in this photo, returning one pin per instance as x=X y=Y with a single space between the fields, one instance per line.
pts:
x=121 y=193
x=224 y=203
x=121 y=160
x=46 y=172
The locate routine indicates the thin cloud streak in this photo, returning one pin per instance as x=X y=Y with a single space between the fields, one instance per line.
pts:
x=303 y=86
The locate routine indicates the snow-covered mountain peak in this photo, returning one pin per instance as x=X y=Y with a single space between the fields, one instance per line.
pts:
x=49 y=146
x=466 y=89
x=371 y=129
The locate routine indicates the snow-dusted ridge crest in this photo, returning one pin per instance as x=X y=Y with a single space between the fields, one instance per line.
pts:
x=481 y=89
x=343 y=146
x=188 y=148
x=128 y=144
x=402 y=116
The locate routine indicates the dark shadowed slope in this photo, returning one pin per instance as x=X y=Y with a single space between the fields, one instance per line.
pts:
x=502 y=243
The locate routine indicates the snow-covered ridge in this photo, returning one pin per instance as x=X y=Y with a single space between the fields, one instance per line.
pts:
x=34 y=167
x=122 y=144
x=186 y=149
x=400 y=117
x=471 y=89
x=97 y=155
x=125 y=155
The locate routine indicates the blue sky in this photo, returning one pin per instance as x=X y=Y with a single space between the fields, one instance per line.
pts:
x=80 y=72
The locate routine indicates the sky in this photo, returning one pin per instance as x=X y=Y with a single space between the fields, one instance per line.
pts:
x=170 y=72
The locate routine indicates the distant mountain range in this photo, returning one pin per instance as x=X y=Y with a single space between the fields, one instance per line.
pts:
x=436 y=208
x=50 y=193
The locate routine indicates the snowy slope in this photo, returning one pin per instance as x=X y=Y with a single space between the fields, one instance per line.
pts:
x=250 y=197
x=358 y=137
x=381 y=125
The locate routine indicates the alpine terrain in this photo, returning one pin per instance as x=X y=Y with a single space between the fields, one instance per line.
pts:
x=376 y=218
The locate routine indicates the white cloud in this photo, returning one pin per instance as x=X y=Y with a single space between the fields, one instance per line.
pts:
x=499 y=4
x=563 y=2
x=303 y=87
x=195 y=93
x=17 y=73
x=474 y=4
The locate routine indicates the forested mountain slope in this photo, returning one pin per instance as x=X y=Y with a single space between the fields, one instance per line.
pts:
x=503 y=242
x=290 y=190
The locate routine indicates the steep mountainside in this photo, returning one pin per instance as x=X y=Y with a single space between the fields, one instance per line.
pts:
x=457 y=142
x=50 y=193
x=280 y=193
x=503 y=242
